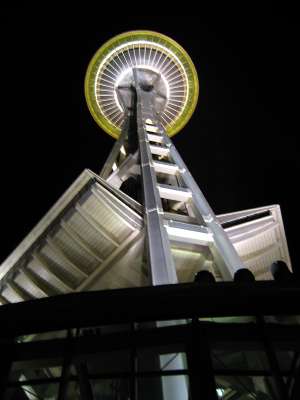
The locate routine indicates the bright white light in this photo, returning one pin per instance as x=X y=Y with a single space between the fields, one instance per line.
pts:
x=137 y=44
x=194 y=236
x=122 y=150
x=152 y=128
x=220 y=392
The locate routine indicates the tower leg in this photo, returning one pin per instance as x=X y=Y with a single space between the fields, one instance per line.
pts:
x=160 y=258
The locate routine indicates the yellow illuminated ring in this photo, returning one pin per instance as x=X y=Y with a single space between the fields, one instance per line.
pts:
x=149 y=50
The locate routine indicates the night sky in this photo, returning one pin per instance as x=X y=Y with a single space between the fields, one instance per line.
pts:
x=241 y=144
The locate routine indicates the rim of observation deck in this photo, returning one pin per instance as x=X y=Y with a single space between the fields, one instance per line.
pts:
x=156 y=38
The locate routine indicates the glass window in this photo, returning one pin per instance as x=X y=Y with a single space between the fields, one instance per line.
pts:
x=111 y=389
x=246 y=387
x=164 y=358
x=236 y=358
x=165 y=387
x=48 y=391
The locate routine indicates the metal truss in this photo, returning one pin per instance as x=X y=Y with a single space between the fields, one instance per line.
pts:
x=169 y=190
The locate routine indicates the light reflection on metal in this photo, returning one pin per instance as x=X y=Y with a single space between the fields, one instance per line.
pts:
x=188 y=235
x=112 y=68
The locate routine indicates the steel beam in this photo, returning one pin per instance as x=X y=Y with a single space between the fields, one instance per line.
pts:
x=95 y=225
x=19 y=291
x=42 y=286
x=174 y=193
x=160 y=258
x=85 y=388
x=165 y=167
x=3 y=300
x=66 y=370
x=155 y=138
x=107 y=168
x=124 y=170
x=79 y=240
x=159 y=150
x=201 y=375
x=226 y=255
x=188 y=233
x=109 y=261
x=58 y=278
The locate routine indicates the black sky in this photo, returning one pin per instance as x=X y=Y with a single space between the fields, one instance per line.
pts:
x=241 y=144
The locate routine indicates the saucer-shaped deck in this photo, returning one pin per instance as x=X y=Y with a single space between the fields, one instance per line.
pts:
x=112 y=67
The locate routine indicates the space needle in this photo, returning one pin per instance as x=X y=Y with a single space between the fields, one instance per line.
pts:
x=146 y=80
x=143 y=220
x=141 y=88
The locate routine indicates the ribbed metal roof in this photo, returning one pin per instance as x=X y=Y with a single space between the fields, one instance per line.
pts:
x=89 y=230
x=260 y=241
x=93 y=238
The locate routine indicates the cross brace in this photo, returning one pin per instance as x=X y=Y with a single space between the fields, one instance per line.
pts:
x=167 y=185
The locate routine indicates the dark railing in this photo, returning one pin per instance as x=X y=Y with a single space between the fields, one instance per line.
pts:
x=231 y=339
